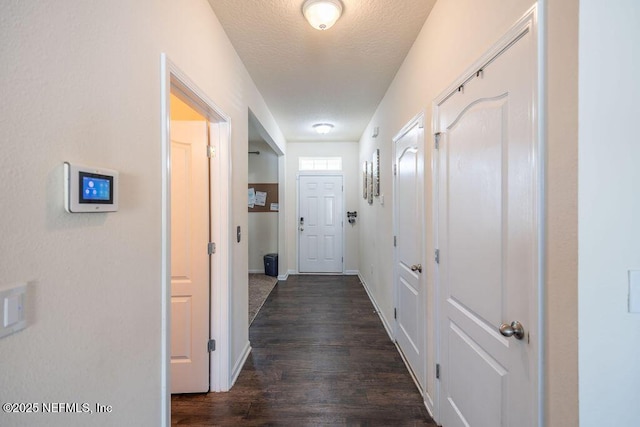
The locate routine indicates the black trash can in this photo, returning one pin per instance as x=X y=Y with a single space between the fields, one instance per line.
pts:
x=271 y=265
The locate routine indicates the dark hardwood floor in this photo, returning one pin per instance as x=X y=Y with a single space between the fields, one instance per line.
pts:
x=321 y=357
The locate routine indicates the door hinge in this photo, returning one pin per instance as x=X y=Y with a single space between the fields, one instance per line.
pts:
x=211 y=248
x=437 y=371
x=395 y=241
x=395 y=313
x=211 y=346
x=437 y=140
x=437 y=256
x=211 y=151
x=395 y=169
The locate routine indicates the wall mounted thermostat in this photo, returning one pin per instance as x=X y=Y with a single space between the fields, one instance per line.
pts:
x=89 y=189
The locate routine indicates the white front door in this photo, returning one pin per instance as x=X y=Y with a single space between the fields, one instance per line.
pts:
x=189 y=257
x=487 y=236
x=320 y=224
x=409 y=254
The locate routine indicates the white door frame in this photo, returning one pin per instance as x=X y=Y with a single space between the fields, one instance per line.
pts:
x=342 y=215
x=417 y=121
x=220 y=208
x=534 y=19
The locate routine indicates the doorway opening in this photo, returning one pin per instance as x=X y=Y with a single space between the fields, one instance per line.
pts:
x=178 y=86
x=266 y=229
x=264 y=209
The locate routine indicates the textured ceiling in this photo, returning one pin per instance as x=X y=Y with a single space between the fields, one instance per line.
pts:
x=336 y=76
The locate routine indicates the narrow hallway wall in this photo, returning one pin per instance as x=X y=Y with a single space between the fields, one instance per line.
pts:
x=82 y=84
x=609 y=206
x=456 y=33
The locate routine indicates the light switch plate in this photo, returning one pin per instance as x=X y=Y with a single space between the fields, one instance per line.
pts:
x=12 y=310
x=12 y=304
x=634 y=291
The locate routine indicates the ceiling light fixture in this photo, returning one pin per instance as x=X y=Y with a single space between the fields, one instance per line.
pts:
x=323 y=128
x=322 y=14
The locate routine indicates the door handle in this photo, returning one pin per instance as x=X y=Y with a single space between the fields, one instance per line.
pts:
x=301 y=228
x=515 y=329
x=417 y=267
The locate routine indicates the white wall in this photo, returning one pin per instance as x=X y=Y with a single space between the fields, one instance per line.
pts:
x=263 y=226
x=456 y=33
x=349 y=153
x=609 y=212
x=81 y=82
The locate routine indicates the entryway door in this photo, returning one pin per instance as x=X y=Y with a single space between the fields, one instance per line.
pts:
x=410 y=264
x=189 y=257
x=320 y=224
x=488 y=239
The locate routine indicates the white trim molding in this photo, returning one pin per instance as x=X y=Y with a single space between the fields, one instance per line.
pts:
x=285 y=276
x=173 y=79
x=379 y=312
x=237 y=367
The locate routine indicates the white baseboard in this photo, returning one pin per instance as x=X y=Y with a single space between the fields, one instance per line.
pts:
x=257 y=271
x=413 y=375
x=429 y=404
x=346 y=273
x=240 y=363
x=284 y=276
x=428 y=401
x=385 y=323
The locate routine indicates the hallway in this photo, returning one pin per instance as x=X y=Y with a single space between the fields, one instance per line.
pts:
x=320 y=357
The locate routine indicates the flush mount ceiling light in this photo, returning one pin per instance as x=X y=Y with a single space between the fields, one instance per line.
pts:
x=323 y=128
x=322 y=14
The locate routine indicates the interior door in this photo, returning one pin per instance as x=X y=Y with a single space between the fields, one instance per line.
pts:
x=189 y=257
x=320 y=224
x=409 y=253
x=487 y=236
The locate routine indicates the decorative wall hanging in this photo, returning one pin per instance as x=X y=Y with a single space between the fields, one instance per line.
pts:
x=365 y=181
x=376 y=172
x=370 y=186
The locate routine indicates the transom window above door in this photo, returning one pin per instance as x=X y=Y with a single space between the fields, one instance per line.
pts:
x=320 y=164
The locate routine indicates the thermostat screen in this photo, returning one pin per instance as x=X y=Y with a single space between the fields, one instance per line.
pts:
x=95 y=188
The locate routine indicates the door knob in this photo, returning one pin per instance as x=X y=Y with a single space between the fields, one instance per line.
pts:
x=301 y=228
x=514 y=329
x=417 y=267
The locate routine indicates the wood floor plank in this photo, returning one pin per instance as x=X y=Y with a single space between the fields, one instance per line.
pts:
x=320 y=357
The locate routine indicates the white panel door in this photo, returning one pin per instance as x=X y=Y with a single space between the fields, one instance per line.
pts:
x=189 y=257
x=320 y=224
x=487 y=236
x=409 y=254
